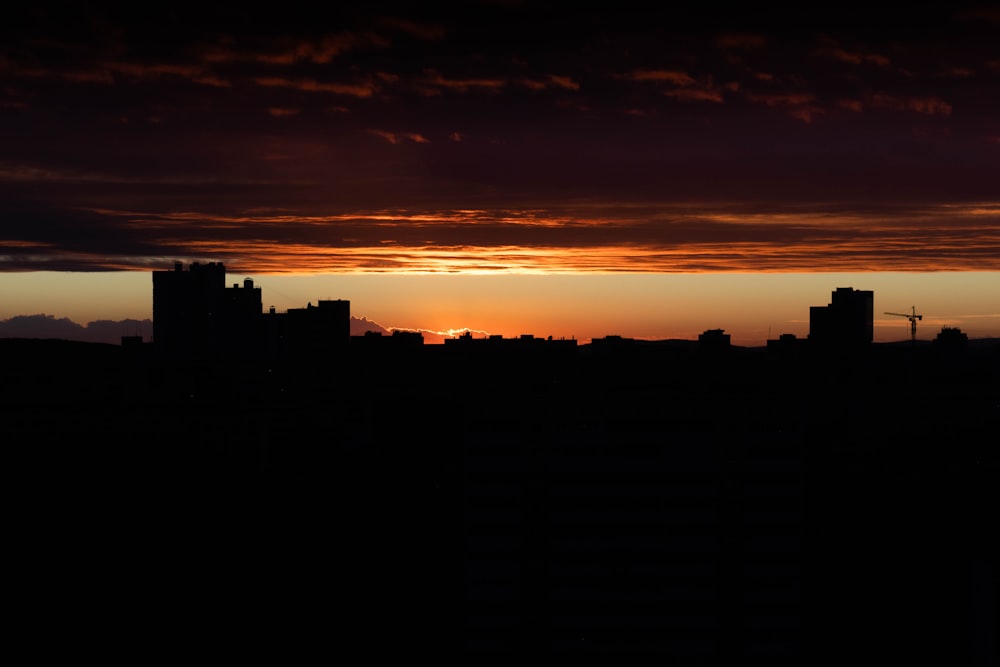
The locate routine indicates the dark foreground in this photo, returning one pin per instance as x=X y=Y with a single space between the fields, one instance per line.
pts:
x=658 y=507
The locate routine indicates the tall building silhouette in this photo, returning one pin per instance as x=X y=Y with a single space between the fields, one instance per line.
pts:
x=846 y=322
x=195 y=316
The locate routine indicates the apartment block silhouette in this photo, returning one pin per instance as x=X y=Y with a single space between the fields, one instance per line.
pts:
x=195 y=316
x=846 y=322
x=315 y=331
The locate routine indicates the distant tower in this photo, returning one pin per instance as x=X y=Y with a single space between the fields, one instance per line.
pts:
x=847 y=322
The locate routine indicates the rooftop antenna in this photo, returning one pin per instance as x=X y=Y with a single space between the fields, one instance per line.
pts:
x=913 y=317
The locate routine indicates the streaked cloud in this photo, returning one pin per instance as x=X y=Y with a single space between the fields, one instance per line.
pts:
x=429 y=140
x=550 y=81
x=398 y=137
x=803 y=106
x=681 y=85
x=433 y=82
x=607 y=239
x=854 y=57
x=362 y=90
x=150 y=72
x=320 y=51
x=931 y=106
x=674 y=77
x=695 y=94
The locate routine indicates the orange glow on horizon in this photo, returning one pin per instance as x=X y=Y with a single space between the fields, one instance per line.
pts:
x=751 y=307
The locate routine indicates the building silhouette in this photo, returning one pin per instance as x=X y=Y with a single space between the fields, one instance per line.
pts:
x=397 y=340
x=316 y=331
x=195 y=316
x=952 y=338
x=713 y=341
x=847 y=322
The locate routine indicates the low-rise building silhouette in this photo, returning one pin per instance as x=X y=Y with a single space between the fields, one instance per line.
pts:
x=525 y=344
x=951 y=338
x=317 y=331
x=713 y=341
x=397 y=340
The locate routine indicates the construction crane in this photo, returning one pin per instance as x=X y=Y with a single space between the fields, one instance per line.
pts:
x=913 y=317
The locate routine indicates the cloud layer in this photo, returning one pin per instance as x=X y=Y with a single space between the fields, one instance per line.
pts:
x=500 y=137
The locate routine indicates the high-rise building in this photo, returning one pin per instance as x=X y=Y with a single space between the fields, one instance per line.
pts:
x=846 y=322
x=196 y=316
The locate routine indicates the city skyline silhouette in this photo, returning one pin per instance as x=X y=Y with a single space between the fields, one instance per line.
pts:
x=111 y=331
x=494 y=331
x=665 y=500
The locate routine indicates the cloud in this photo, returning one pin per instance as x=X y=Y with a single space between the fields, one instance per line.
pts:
x=287 y=50
x=433 y=82
x=320 y=51
x=955 y=73
x=856 y=106
x=661 y=238
x=695 y=94
x=361 y=90
x=498 y=122
x=398 y=137
x=151 y=72
x=551 y=81
x=108 y=73
x=837 y=53
x=931 y=106
x=676 y=77
x=687 y=87
x=802 y=106
x=563 y=82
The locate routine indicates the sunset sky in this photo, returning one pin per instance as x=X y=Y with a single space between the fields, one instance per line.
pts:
x=508 y=167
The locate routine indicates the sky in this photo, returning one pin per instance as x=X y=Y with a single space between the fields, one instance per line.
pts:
x=508 y=167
